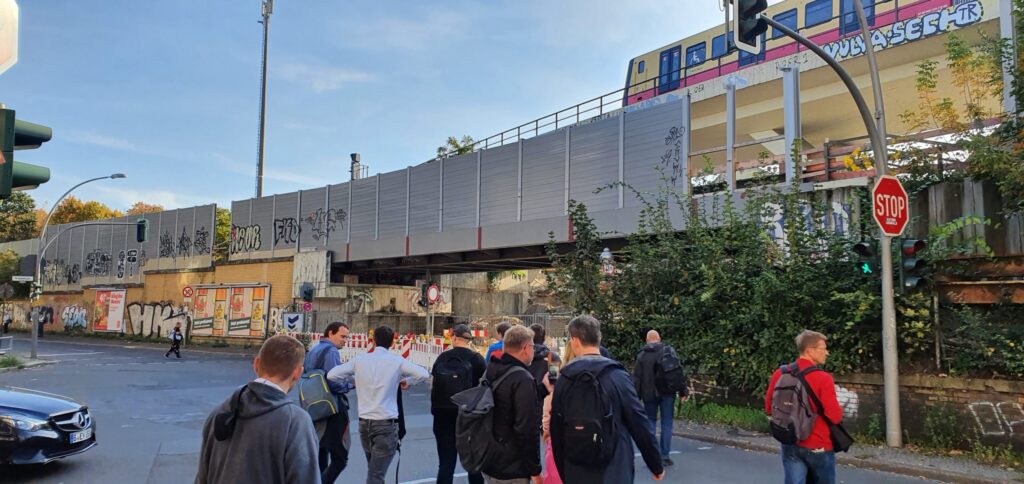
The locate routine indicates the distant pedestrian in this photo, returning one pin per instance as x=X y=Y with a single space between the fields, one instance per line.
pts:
x=516 y=419
x=595 y=412
x=259 y=434
x=543 y=357
x=176 y=339
x=456 y=369
x=810 y=457
x=335 y=439
x=496 y=349
x=658 y=376
x=379 y=377
x=7 y=324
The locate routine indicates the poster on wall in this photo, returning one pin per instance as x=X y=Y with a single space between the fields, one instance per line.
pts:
x=236 y=311
x=108 y=311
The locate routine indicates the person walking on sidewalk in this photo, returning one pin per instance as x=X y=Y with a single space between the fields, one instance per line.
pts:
x=594 y=413
x=657 y=382
x=176 y=339
x=812 y=459
x=456 y=369
x=335 y=439
x=379 y=376
x=516 y=419
x=259 y=434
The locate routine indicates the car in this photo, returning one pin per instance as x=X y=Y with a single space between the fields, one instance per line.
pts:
x=38 y=427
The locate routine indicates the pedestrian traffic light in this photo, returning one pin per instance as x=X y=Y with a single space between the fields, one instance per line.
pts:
x=748 y=25
x=424 y=301
x=308 y=291
x=141 y=230
x=866 y=258
x=16 y=134
x=912 y=266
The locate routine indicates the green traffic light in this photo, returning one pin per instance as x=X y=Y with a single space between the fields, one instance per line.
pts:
x=865 y=268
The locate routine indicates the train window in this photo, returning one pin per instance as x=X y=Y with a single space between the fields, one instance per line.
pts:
x=640 y=67
x=787 y=18
x=850 y=23
x=747 y=58
x=817 y=12
x=719 y=47
x=696 y=54
x=669 y=69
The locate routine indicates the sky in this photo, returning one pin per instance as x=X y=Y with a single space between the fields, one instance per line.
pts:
x=168 y=92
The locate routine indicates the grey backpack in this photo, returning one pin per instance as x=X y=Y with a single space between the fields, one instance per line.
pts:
x=792 y=414
x=315 y=395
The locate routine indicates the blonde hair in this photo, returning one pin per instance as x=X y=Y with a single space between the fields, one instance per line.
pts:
x=568 y=355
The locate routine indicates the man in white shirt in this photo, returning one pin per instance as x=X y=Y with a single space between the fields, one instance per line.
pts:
x=378 y=376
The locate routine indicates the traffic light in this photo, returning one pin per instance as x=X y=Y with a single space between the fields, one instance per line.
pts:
x=16 y=134
x=747 y=24
x=912 y=266
x=141 y=230
x=308 y=291
x=867 y=263
x=37 y=291
x=424 y=301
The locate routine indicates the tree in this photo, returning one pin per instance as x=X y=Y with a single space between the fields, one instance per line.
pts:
x=142 y=207
x=10 y=265
x=454 y=147
x=17 y=220
x=221 y=234
x=75 y=210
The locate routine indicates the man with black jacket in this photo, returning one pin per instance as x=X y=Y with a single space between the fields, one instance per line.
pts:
x=645 y=375
x=543 y=357
x=515 y=412
x=453 y=365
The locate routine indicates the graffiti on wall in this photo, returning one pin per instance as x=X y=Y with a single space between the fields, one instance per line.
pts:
x=849 y=401
x=57 y=273
x=128 y=262
x=245 y=239
x=166 y=245
x=154 y=320
x=837 y=219
x=323 y=222
x=998 y=419
x=184 y=243
x=97 y=263
x=671 y=159
x=201 y=244
x=73 y=317
x=275 y=323
x=286 y=231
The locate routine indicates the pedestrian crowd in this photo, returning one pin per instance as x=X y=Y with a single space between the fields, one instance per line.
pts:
x=522 y=415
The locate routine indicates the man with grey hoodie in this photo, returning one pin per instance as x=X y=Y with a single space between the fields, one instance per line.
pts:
x=259 y=434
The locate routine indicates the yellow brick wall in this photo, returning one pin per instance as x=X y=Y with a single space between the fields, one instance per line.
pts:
x=278 y=274
x=167 y=287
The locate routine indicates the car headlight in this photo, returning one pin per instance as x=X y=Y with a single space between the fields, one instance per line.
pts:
x=25 y=423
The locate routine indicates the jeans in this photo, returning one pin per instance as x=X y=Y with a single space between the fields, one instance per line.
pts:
x=447 y=455
x=807 y=466
x=380 y=442
x=491 y=480
x=666 y=404
x=334 y=447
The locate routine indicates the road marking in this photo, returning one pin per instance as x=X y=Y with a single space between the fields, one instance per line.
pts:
x=703 y=448
x=670 y=453
x=73 y=354
x=431 y=479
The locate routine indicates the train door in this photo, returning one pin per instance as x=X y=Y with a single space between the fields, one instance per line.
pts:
x=848 y=13
x=668 y=69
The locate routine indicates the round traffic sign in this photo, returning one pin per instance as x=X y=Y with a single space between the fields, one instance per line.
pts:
x=186 y=291
x=890 y=205
x=433 y=293
x=307 y=306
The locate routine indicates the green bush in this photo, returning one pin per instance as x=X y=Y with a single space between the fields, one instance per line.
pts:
x=10 y=361
x=942 y=428
x=713 y=413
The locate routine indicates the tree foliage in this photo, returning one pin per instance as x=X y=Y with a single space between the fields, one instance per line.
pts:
x=10 y=266
x=74 y=210
x=140 y=208
x=222 y=234
x=17 y=217
x=454 y=146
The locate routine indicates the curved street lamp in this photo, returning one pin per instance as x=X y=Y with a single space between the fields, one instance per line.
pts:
x=38 y=281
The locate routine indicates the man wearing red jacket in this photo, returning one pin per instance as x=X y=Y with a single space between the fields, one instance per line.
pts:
x=812 y=460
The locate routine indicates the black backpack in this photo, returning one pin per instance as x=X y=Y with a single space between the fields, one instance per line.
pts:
x=588 y=424
x=474 y=426
x=669 y=376
x=453 y=375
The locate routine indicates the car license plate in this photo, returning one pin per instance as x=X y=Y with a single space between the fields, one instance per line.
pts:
x=81 y=436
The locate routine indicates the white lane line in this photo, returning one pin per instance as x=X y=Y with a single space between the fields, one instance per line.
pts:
x=431 y=479
x=670 y=453
x=703 y=448
x=73 y=354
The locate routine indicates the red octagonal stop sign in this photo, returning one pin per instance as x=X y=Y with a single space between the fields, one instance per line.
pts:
x=891 y=205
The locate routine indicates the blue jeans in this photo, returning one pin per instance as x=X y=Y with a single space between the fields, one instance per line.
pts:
x=665 y=403
x=806 y=466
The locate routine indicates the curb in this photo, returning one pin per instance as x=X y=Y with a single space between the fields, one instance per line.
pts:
x=145 y=346
x=29 y=364
x=941 y=475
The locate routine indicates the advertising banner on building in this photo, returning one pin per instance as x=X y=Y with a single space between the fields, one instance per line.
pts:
x=108 y=312
x=236 y=311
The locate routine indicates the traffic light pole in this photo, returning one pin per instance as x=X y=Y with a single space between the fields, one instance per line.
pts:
x=874 y=126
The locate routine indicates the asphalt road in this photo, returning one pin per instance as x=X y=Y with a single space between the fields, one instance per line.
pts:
x=149 y=413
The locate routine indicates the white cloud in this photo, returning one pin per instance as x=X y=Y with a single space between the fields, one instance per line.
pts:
x=124 y=197
x=421 y=31
x=96 y=139
x=320 y=78
x=274 y=174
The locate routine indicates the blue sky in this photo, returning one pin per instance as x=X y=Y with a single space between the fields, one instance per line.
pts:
x=168 y=92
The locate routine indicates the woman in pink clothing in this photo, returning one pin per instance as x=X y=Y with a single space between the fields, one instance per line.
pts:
x=550 y=474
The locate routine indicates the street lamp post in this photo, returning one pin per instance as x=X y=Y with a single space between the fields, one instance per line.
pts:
x=39 y=253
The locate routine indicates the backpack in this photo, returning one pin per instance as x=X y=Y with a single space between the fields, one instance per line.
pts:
x=669 y=377
x=792 y=414
x=589 y=428
x=474 y=426
x=452 y=376
x=315 y=395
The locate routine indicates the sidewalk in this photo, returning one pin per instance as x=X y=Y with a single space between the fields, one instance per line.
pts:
x=26 y=362
x=25 y=338
x=898 y=461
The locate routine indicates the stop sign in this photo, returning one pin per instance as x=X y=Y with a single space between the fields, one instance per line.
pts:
x=891 y=205
x=8 y=34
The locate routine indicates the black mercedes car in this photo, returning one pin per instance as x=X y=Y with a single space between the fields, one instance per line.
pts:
x=38 y=427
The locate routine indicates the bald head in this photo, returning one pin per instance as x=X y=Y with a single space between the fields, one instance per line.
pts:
x=653 y=337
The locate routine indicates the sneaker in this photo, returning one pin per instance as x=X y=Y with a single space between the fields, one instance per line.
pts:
x=166 y=355
x=667 y=462
x=179 y=357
